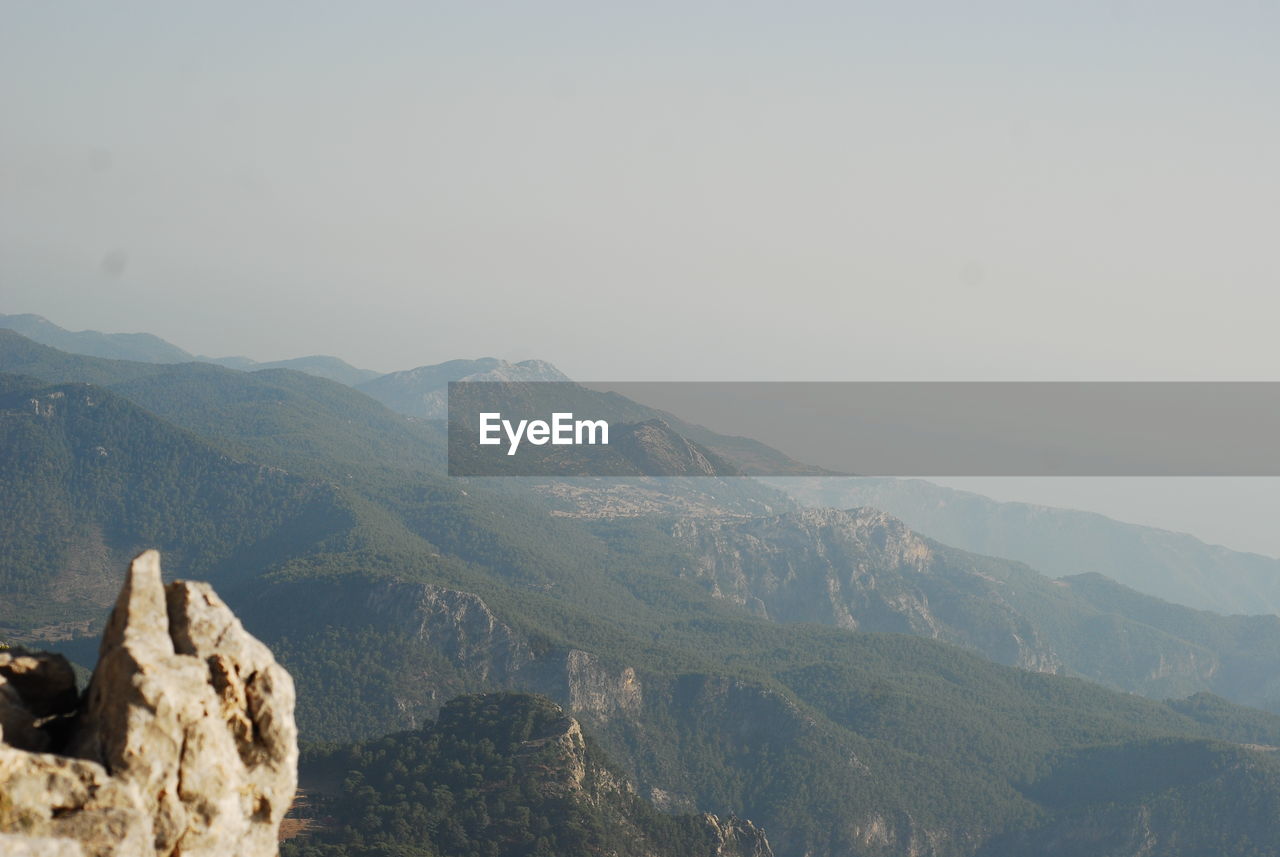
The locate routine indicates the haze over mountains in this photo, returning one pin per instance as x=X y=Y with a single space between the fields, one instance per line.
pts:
x=849 y=685
x=1173 y=566
x=146 y=348
x=422 y=392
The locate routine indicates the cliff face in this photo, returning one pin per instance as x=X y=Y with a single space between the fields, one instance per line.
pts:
x=863 y=570
x=457 y=624
x=184 y=742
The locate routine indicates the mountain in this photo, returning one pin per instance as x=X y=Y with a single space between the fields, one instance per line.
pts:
x=511 y=774
x=22 y=356
x=147 y=348
x=90 y=479
x=267 y=404
x=302 y=422
x=120 y=346
x=862 y=569
x=387 y=588
x=320 y=365
x=836 y=742
x=1173 y=566
x=502 y=774
x=423 y=392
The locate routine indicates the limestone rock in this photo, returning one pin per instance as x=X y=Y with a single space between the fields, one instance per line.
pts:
x=737 y=837
x=595 y=689
x=55 y=796
x=16 y=845
x=185 y=742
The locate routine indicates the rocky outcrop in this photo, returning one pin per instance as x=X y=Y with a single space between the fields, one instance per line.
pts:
x=594 y=689
x=183 y=744
x=862 y=569
x=457 y=624
x=737 y=837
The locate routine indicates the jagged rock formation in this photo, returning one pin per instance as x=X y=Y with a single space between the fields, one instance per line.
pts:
x=183 y=744
x=736 y=837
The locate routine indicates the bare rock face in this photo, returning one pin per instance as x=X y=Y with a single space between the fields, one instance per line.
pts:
x=184 y=743
x=596 y=690
x=46 y=796
x=12 y=845
x=737 y=837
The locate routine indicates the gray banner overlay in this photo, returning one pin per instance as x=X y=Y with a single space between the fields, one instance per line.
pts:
x=866 y=428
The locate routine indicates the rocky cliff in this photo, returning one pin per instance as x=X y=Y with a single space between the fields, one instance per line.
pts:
x=862 y=569
x=183 y=744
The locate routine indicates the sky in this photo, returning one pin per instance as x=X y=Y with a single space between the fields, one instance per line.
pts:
x=658 y=191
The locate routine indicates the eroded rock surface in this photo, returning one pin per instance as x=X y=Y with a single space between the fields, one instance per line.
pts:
x=183 y=744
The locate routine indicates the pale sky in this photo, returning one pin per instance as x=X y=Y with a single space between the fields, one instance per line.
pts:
x=716 y=191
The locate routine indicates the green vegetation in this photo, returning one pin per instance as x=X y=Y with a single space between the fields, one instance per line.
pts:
x=90 y=479
x=302 y=500
x=500 y=775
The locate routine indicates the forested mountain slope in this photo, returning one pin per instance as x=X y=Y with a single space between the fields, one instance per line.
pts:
x=413 y=588
x=90 y=478
x=499 y=774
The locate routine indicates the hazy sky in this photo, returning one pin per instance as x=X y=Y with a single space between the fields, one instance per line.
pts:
x=655 y=191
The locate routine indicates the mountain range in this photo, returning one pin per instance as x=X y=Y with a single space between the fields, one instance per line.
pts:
x=849 y=685
x=148 y=348
x=1173 y=566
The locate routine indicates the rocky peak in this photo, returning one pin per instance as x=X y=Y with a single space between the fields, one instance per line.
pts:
x=737 y=837
x=183 y=744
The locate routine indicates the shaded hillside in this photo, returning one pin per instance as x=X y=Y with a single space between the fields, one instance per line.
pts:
x=147 y=348
x=1171 y=798
x=301 y=422
x=911 y=743
x=119 y=346
x=22 y=356
x=501 y=774
x=319 y=365
x=89 y=478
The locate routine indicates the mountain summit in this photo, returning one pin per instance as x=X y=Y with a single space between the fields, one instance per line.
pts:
x=423 y=392
x=144 y=347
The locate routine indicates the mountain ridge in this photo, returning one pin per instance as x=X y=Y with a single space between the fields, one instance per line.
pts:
x=837 y=741
x=1174 y=566
x=149 y=348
